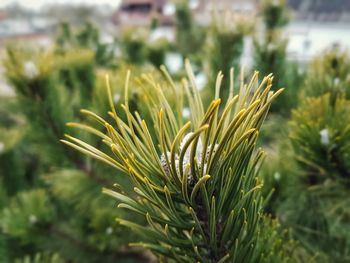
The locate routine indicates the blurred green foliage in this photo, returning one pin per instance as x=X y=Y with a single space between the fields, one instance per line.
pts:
x=328 y=73
x=136 y=48
x=314 y=168
x=270 y=54
x=189 y=35
x=225 y=47
x=43 y=181
x=86 y=37
x=317 y=207
x=275 y=13
x=320 y=133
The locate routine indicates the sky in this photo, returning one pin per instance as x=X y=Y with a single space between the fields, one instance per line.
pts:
x=36 y=4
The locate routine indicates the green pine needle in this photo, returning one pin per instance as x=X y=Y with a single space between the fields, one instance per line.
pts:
x=195 y=183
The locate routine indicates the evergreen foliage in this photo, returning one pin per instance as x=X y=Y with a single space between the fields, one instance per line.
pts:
x=157 y=51
x=322 y=142
x=270 y=53
x=138 y=50
x=134 y=47
x=44 y=182
x=329 y=73
x=189 y=35
x=25 y=212
x=86 y=37
x=316 y=204
x=185 y=165
x=275 y=14
x=225 y=46
x=317 y=207
x=197 y=183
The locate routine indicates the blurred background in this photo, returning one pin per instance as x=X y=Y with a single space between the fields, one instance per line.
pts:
x=54 y=56
x=314 y=24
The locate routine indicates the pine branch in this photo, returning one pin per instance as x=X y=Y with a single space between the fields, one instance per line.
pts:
x=200 y=191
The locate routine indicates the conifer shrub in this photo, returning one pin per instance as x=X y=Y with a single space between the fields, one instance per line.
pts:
x=196 y=183
x=156 y=52
x=275 y=13
x=29 y=211
x=225 y=46
x=133 y=45
x=189 y=34
x=328 y=73
x=86 y=37
x=270 y=54
x=137 y=49
x=320 y=134
x=310 y=170
x=317 y=207
x=42 y=182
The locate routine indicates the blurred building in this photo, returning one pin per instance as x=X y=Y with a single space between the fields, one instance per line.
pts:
x=317 y=25
x=235 y=6
x=321 y=10
x=203 y=9
x=142 y=13
x=27 y=29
